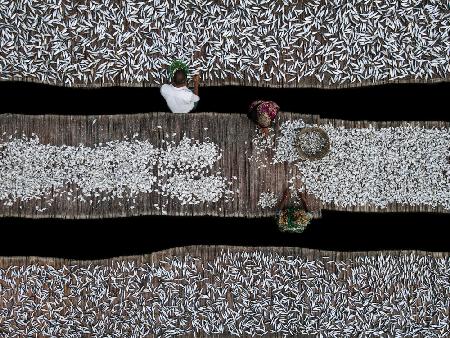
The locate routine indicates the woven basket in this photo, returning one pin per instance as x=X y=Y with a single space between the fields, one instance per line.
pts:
x=319 y=154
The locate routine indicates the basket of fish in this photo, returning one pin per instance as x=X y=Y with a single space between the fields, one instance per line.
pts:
x=312 y=143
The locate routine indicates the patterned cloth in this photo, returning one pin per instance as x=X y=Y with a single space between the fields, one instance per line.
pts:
x=263 y=112
x=178 y=64
x=293 y=219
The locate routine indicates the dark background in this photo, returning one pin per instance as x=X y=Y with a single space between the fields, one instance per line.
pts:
x=91 y=239
x=377 y=103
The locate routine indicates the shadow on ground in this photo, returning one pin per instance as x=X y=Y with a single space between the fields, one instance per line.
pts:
x=92 y=239
x=378 y=103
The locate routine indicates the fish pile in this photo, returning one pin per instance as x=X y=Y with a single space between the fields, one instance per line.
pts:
x=237 y=293
x=405 y=165
x=311 y=143
x=285 y=146
x=332 y=41
x=119 y=169
x=408 y=165
x=267 y=200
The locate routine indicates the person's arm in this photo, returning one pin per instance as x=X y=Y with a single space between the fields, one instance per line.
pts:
x=196 y=82
x=303 y=197
x=284 y=199
x=163 y=90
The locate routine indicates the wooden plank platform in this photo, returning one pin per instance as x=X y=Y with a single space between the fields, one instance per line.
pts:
x=233 y=133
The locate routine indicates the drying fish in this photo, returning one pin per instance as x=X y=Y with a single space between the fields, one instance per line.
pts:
x=236 y=45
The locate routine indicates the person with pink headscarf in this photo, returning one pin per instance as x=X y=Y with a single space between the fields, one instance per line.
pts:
x=263 y=113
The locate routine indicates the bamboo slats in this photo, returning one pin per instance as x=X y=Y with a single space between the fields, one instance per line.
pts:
x=75 y=276
x=292 y=52
x=232 y=133
x=208 y=252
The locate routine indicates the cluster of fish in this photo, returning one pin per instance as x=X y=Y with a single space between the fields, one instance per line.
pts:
x=286 y=147
x=311 y=143
x=267 y=200
x=331 y=41
x=115 y=170
x=377 y=167
x=237 y=293
x=368 y=166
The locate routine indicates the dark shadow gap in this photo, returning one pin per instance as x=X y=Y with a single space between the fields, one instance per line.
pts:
x=342 y=231
x=378 y=103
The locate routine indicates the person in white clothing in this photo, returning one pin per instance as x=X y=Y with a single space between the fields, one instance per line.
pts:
x=179 y=97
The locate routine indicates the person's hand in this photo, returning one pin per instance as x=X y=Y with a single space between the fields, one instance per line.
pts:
x=196 y=78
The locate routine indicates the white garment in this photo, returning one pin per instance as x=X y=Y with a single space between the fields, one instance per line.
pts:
x=179 y=100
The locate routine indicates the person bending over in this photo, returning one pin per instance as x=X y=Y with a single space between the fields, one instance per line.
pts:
x=263 y=113
x=292 y=218
x=179 y=97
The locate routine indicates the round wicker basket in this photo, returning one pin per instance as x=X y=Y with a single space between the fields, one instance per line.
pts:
x=322 y=138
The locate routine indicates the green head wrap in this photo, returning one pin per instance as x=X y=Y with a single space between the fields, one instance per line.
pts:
x=178 y=64
x=294 y=224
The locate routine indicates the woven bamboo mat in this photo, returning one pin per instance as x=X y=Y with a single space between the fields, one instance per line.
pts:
x=209 y=251
x=233 y=133
x=113 y=293
x=315 y=44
